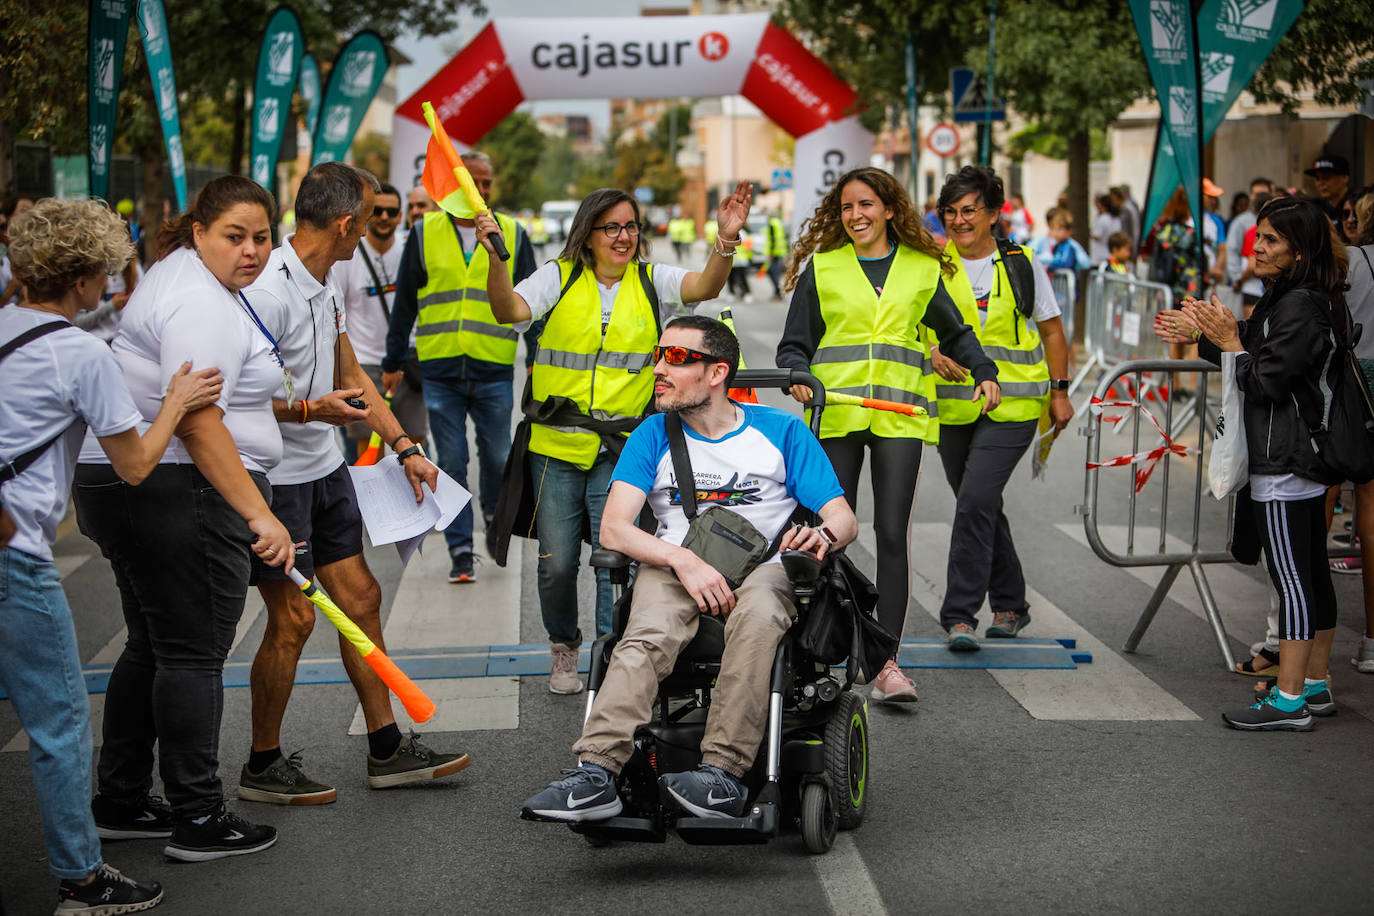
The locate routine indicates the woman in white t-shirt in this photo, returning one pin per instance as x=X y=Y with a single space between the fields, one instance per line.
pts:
x=62 y=252
x=180 y=543
x=602 y=279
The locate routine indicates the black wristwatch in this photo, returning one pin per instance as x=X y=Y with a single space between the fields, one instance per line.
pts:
x=405 y=453
x=1059 y=384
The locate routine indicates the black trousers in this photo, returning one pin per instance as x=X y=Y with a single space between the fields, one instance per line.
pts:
x=1294 y=537
x=180 y=557
x=978 y=458
x=896 y=465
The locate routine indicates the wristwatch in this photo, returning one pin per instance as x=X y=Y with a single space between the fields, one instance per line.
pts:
x=1059 y=384
x=405 y=453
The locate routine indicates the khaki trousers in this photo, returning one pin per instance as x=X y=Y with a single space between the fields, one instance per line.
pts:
x=663 y=619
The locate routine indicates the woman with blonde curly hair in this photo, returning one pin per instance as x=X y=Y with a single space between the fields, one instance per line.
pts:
x=861 y=308
x=62 y=252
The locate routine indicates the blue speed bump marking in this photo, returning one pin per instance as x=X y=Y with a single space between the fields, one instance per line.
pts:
x=533 y=659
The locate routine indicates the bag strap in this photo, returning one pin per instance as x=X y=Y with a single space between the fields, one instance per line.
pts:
x=13 y=469
x=646 y=282
x=376 y=282
x=1021 y=275
x=682 y=464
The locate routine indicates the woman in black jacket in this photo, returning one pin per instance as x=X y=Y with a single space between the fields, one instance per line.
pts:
x=1284 y=351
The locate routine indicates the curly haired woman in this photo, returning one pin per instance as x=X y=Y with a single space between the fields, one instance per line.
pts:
x=868 y=281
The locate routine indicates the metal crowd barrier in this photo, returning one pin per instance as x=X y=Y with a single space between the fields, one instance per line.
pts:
x=1156 y=550
x=1065 y=283
x=1119 y=311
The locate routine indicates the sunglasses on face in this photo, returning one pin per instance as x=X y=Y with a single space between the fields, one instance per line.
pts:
x=391 y=212
x=612 y=230
x=681 y=356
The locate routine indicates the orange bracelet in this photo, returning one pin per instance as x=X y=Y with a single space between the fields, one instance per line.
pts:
x=305 y=410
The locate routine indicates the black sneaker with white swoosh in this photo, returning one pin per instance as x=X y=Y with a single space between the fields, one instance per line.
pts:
x=216 y=835
x=586 y=793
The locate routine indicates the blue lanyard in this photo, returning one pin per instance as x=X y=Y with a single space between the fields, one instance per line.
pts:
x=276 y=352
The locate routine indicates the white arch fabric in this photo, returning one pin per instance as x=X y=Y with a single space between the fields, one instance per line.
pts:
x=514 y=60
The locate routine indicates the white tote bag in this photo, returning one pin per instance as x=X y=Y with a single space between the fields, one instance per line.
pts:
x=1229 y=466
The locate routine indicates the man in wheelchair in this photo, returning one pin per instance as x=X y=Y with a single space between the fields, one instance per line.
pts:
x=760 y=463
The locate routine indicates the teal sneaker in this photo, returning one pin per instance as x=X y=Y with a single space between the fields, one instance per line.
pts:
x=1319 y=702
x=1265 y=716
x=963 y=638
x=1006 y=624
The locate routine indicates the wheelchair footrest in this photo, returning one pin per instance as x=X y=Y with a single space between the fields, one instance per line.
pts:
x=757 y=826
x=628 y=829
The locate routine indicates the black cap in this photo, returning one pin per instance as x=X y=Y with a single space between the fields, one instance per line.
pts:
x=1335 y=164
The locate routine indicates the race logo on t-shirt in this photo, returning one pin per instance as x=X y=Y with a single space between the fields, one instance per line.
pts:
x=731 y=493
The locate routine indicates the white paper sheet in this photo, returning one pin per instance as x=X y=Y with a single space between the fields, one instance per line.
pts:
x=389 y=510
x=1130 y=329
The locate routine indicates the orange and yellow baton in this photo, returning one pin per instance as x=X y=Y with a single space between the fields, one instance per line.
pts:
x=417 y=704
x=449 y=182
x=853 y=400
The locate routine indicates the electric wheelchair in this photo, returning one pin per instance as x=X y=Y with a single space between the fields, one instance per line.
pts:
x=812 y=769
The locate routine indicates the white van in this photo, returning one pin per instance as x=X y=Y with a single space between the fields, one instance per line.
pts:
x=558 y=217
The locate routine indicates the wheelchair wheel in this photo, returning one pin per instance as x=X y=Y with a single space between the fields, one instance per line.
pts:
x=818 y=821
x=846 y=759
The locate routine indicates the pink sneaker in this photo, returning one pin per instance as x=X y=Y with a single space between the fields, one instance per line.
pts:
x=892 y=686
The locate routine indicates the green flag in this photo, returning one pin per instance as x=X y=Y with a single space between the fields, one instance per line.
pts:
x=107 y=37
x=353 y=81
x=1235 y=37
x=152 y=22
x=310 y=91
x=279 y=64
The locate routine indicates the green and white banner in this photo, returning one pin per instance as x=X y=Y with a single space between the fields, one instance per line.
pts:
x=152 y=22
x=1235 y=37
x=279 y=64
x=310 y=91
x=357 y=74
x=107 y=36
x=1169 y=39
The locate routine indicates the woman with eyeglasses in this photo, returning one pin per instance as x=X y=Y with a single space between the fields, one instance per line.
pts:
x=604 y=305
x=868 y=287
x=1005 y=293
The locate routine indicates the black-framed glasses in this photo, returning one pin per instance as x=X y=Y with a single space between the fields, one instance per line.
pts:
x=966 y=214
x=613 y=230
x=391 y=212
x=681 y=356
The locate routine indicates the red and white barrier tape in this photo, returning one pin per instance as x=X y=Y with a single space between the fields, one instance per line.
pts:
x=1146 y=460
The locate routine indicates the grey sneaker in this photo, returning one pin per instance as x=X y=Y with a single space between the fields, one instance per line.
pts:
x=963 y=638
x=1006 y=624
x=1364 y=658
x=586 y=793
x=1265 y=716
x=563 y=679
x=1320 y=702
x=283 y=783
x=706 y=791
x=412 y=762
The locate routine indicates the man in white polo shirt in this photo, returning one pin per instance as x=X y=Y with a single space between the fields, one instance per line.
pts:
x=300 y=307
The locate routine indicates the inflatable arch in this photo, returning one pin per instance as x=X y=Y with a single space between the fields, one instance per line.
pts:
x=515 y=60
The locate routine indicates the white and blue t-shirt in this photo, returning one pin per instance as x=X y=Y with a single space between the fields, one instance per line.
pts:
x=761 y=469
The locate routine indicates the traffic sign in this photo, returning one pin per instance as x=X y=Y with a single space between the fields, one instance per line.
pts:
x=971 y=102
x=943 y=139
x=782 y=179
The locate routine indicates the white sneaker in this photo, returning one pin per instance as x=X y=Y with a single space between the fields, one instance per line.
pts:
x=564 y=679
x=1364 y=658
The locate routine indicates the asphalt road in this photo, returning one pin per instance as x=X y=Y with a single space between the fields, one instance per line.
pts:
x=1110 y=788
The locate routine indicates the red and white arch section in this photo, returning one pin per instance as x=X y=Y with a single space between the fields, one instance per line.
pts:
x=515 y=60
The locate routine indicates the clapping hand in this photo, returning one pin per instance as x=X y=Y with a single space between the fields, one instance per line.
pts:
x=1174 y=327
x=1216 y=321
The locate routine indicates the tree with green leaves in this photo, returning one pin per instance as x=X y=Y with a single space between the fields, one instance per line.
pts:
x=515 y=146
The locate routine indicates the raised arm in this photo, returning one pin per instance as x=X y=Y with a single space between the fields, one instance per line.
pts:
x=506 y=304
x=698 y=286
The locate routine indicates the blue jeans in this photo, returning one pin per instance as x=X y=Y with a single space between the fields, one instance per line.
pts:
x=450 y=402
x=40 y=669
x=568 y=498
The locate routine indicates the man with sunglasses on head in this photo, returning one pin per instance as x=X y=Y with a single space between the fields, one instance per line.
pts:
x=369 y=286
x=466 y=359
x=759 y=462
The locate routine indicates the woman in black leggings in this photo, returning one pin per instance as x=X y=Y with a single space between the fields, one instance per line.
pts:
x=1281 y=353
x=860 y=307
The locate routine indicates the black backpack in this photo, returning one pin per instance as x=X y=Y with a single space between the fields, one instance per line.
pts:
x=1345 y=441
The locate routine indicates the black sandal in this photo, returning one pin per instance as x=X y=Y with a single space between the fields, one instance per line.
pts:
x=1248 y=668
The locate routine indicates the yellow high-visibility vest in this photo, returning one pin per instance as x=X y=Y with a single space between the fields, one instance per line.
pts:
x=1008 y=339
x=873 y=346
x=608 y=375
x=455 y=317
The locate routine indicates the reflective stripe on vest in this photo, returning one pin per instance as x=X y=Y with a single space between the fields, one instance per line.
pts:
x=873 y=346
x=1009 y=340
x=454 y=318
x=605 y=375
